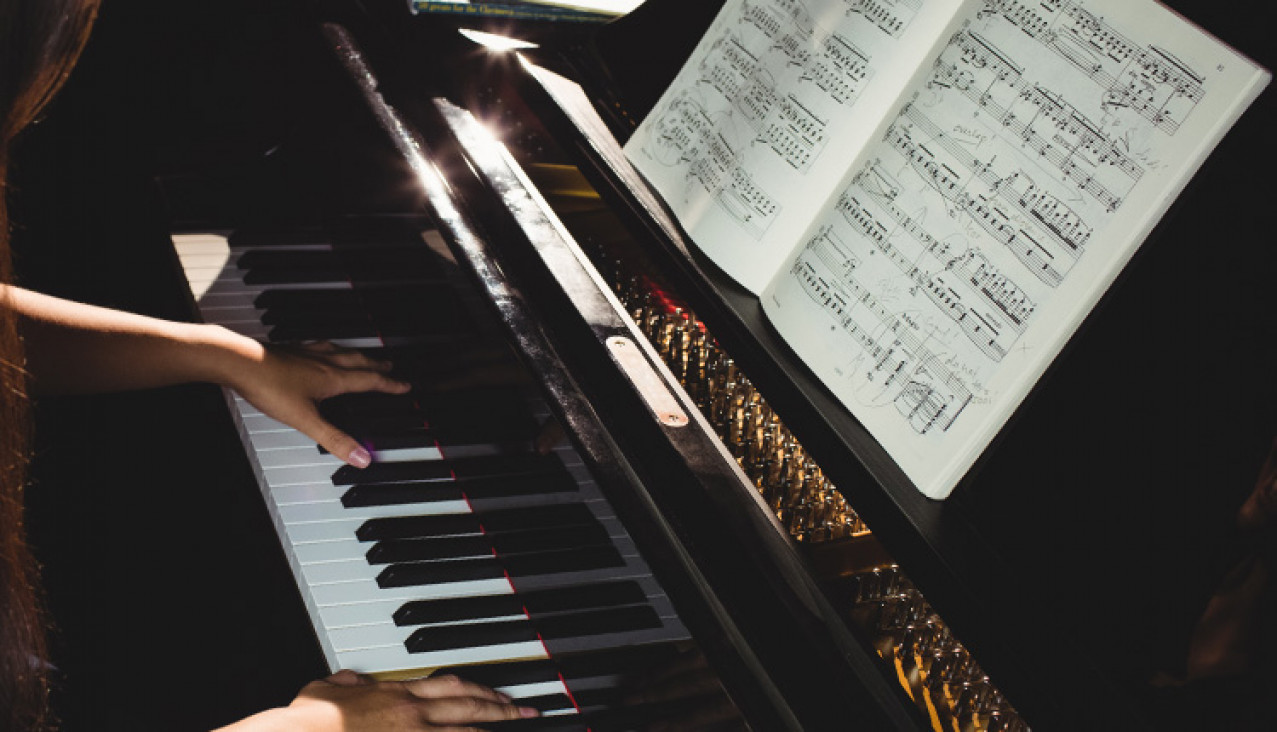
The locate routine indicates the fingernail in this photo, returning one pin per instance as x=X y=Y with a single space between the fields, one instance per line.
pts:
x=528 y=712
x=359 y=457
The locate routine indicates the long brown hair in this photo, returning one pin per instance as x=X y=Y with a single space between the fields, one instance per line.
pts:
x=40 y=41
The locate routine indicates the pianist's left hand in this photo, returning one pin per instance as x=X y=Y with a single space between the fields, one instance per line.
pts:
x=288 y=382
x=72 y=347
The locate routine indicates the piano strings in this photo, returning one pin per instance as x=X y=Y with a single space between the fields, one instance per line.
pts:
x=933 y=666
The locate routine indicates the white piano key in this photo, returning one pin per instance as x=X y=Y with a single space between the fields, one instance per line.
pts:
x=202 y=242
x=307 y=493
x=331 y=551
x=393 y=658
x=298 y=457
x=322 y=530
x=541 y=688
x=407 y=454
x=298 y=474
x=282 y=439
x=256 y=423
x=351 y=570
x=368 y=636
x=355 y=614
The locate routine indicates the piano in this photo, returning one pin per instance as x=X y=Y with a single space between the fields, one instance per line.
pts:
x=815 y=591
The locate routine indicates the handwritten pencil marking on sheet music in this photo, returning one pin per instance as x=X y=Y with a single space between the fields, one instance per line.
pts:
x=1059 y=134
x=897 y=366
x=1149 y=81
x=991 y=310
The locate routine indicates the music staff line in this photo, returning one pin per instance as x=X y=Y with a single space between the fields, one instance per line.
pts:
x=976 y=279
x=1149 y=81
x=924 y=391
x=1072 y=143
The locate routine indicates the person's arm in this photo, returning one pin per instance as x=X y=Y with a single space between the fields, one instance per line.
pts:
x=76 y=348
x=348 y=702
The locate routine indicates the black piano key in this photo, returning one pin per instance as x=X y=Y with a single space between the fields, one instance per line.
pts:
x=567 y=560
x=491 y=522
x=630 y=660
x=402 y=527
x=452 y=637
x=610 y=662
x=488 y=415
x=438 y=573
x=501 y=486
x=607 y=696
x=280 y=266
x=575 y=625
x=547 y=702
x=536 y=517
x=294 y=305
x=369 y=408
x=412 y=470
x=604 y=594
x=392 y=551
x=664 y=714
x=598 y=622
x=559 y=599
x=280 y=235
x=416 y=437
x=423 y=612
x=374 y=263
x=378 y=230
x=522 y=565
x=397 y=551
x=459 y=469
x=327 y=331
x=393 y=494
x=290 y=275
x=505 y=673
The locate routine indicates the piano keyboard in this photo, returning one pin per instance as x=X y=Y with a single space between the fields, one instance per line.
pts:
x=461 y=545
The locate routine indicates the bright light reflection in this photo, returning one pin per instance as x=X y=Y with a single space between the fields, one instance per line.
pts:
x=619 y=7
x=204 y=257
x=495 y=42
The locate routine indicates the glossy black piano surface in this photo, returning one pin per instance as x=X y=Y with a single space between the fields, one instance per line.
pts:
x=1094 y=529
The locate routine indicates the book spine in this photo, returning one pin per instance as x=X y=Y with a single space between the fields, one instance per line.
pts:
x=506 y=10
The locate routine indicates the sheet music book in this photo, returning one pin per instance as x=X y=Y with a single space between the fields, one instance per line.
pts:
x=928 y=196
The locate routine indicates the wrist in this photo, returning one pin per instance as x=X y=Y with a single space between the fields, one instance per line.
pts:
x=222 y=356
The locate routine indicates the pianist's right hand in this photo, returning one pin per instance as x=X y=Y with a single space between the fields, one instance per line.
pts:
x=349 y=702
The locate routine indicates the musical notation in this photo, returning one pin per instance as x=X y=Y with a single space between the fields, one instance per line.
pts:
x=990 y=308
x=1147 y=80
x=889 y=16
x=897 y=366
x=767 y=87
x=1051 y=128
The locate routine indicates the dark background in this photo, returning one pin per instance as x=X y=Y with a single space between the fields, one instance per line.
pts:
x=1116 y=487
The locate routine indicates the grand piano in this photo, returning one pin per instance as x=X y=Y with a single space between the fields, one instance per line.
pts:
x=778 y=550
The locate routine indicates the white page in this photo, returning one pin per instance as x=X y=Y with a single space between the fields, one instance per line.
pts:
x=989 y=217
x=766 y=116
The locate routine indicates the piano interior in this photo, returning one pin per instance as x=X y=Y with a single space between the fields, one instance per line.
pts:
x=740 y=556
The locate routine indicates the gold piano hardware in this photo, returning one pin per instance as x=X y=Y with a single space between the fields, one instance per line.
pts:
x=934 y=668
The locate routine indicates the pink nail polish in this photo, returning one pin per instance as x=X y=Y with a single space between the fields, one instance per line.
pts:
x=528 y=712
x=360 y=458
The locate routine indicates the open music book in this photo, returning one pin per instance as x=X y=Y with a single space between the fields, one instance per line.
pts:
x=928 y=196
